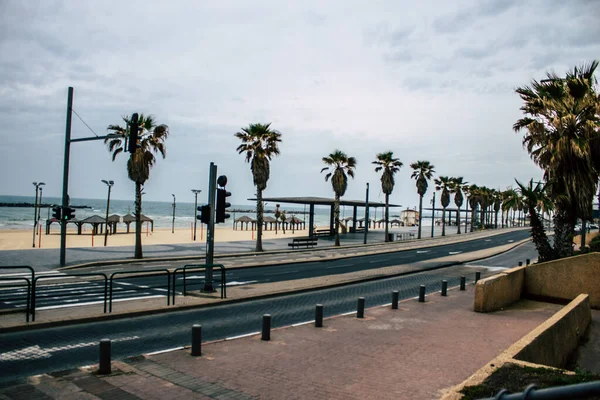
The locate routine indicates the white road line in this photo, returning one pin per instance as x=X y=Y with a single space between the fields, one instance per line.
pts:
x=349 y=313
x=242 y=336
x=454 y=252
x=423 y=251
x=303 y=323
x=340 y=266
x=282 y=273
x=510 y=240
x=37 y=273
x=386 y=305
x=165 y=351
x=236 y=283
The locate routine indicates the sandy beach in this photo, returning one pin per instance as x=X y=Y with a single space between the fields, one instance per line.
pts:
x=22 y=239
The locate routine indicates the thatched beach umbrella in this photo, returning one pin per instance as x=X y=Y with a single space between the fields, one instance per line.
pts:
x=96 y=221
x=269 y=220
x=113 y=220
x=244 y=219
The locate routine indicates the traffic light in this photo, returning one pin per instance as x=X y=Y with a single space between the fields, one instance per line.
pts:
x=204 y=214
x=69 y=214
x=222 y=205
x=133 y=133
x=56 y=213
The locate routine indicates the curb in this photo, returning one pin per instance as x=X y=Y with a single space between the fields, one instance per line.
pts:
x=108 y=317
x=253 y=253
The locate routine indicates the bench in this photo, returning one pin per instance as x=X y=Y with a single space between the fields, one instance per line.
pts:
x=405 y=235
x=321 y=233
x=305 y=241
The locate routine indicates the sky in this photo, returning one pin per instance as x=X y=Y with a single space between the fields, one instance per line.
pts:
x=428 y=80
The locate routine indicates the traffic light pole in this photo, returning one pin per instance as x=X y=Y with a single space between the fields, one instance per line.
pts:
x=65 y=191
x=210 y=230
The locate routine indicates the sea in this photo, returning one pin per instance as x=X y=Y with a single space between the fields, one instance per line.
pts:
x=160 y=212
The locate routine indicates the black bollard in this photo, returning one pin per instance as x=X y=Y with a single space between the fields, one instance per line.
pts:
x=360 y=309
x=462 y=283
x=196 y=340
x=395 y=297
x=527 y=262
x=319 y=316
x=266 y=327
x=477 y=276
x=105 y=365
x=422 y=294
x=520 y=263
x=444 y=288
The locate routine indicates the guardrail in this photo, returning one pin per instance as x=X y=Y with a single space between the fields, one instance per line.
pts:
x=577 y=391
x=131 y=274
x=14 y=278
x=188 y=267
x=61 y=276
x=30 y=284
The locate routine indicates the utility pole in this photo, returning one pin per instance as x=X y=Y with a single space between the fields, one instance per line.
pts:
x=210 y=230
x=173 y=224
x=366 y=215
x=110 y=185
x=195 y=191
x=432 y=214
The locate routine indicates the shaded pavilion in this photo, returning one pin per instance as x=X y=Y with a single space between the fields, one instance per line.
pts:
x=95 y=221
x=72 y=221
x=128 y=219
x=113 y=220
x=244 y=219
x=269 y=220
x=325 y=201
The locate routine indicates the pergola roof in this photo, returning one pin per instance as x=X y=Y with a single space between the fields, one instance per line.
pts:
x=323 y=201
x=114 y=218
x=245 y=218
x=94 y=219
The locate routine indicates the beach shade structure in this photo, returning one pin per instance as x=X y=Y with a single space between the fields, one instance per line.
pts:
x=244 y=219
x=269 y=220
x=148 y=219
x=113 y=220
x=96 y=222
x=74 y=221
x=128 y=219
x=296 y=222
x=379 y=222
x=396 y=222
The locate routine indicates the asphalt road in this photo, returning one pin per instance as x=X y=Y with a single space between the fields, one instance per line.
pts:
x=51 y=294
x=37 y=351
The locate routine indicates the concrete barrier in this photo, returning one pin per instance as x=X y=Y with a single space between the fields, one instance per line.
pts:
x=565 y=278
x=500 y=290
x=548 y=345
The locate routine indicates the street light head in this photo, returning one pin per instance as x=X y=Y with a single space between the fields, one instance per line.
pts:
x=111 y=183
x=104 y=181
x=34 y=183
x=41 y=183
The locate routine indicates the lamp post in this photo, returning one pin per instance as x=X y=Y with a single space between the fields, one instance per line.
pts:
x=39 y=205
x=110 y=185
x=38 y=186
x=432 y=214
x=195 y=191
x=173 y=224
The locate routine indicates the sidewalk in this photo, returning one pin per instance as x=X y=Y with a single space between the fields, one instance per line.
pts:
x=415 y=352
x=87 y=313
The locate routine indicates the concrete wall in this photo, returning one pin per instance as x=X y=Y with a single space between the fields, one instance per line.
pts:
x=566 y=278
x=500 y=290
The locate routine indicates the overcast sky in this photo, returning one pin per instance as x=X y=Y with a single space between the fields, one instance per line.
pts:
x=428 y=80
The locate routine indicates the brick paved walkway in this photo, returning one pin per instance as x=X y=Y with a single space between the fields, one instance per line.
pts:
x=415 y=352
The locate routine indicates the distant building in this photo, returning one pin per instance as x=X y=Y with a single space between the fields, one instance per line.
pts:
x=409 y=217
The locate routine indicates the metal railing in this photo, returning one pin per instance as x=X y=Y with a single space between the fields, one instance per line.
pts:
x=131 y=274
x=577 y=391
x=28 y=281
x=188 y=267
x=30 y=284
x=61 y=276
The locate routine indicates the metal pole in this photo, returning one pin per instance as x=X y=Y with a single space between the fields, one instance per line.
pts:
x=65 y=200
x=39 y=216
x=319 y=316
x=173 y=224
x=266 y=327
x=195 y=209
x=444 y=288
x=196 y=340
x=35 y=212
x=105 y=365
x=395 y=296
x=106 y=221
x=422 y=294
x=366 y=215
x=360 y=308
x=210 y=230
x=432 y=214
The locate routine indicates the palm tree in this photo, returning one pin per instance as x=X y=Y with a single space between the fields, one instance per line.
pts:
x=389 y=165
x=260 y=143
x=497 y=202
x=561 y=122
x=457 y=188
x=444 y=184
x=151 y=141
x=473 y=200
x=341 y=165
x=422 y=172
x=534 y=198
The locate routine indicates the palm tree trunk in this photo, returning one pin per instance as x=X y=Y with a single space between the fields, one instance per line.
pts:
x=336 y=217
x=563 y=233
x=458 y=221
x=495 y=219
x=473 y=213
x=420 y=215
x=538 y=234
x=444 y=221
x=387 y=215
x=138 y=220
x=259 y=220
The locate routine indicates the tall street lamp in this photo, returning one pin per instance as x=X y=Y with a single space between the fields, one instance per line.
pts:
x=38 y=186
x=173 y=224
x=195 y=191
x=110 y=185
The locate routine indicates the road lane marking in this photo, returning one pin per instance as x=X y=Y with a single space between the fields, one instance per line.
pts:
x=242 y=336
x=236 y=283
x=423 y=251
x=349 y=313
x=510 y=240
x=282 y=273
x=454 y=252
x=165 y=351
x=304 y=323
